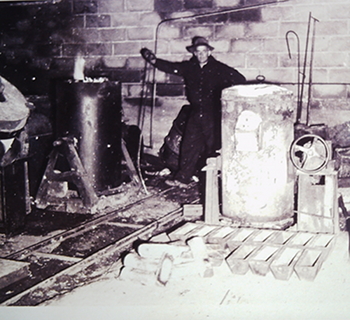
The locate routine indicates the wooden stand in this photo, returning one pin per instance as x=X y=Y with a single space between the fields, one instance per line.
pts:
x=76 y=175
x=211 y=207
x=317 y=209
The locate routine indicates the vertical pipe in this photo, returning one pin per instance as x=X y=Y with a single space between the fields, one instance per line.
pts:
x=305 y=61
x=310 y=71
x=200 y=15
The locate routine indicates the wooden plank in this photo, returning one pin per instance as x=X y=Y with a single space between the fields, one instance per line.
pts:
x=203 y=231
x=82 y=182
x=104 y=259
x=57 y=238
x=211 y=207
x=12 y=271
x=132 y=172
x=161 y=238
x=181 y=232
x=76 y=175
x=56 y=256
x=193 y=210
x=318 y=202
x=125 y=225
x=41 y=200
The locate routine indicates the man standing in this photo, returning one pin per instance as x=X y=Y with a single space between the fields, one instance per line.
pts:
x=205 y=78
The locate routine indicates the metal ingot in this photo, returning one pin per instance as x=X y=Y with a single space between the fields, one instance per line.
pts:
x=238 y=259
x=259 y=262
x=309 y=264
x=282 y=266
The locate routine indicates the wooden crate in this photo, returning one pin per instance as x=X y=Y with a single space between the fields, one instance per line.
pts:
x=317 y=209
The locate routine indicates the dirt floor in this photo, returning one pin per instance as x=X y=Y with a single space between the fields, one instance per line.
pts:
x=187 y=295
x=222 y=296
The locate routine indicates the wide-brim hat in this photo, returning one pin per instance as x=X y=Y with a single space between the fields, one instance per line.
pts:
x=198 y=41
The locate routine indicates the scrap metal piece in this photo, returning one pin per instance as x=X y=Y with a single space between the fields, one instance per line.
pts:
x=14 y=111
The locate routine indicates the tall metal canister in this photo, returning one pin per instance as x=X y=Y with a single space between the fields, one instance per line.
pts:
x=257 y=176
x=90 y=112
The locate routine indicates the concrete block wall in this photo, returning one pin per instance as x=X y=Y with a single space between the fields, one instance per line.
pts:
x=41 y=41
x=259 y=47
x=253 y=41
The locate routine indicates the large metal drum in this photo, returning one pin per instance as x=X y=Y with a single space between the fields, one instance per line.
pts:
x=91 y=113
x=257 y=176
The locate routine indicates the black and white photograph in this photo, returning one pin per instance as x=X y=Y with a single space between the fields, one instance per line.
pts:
x=174 y=159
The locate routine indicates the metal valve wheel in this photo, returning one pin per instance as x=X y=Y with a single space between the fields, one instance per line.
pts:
x=310 y=153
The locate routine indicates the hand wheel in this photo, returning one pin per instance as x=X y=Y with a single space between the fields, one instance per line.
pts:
x=310 y=153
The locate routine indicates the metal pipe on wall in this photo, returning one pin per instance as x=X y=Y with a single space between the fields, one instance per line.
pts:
x=194 y=16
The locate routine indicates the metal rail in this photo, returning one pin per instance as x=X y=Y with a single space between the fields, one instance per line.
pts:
x=76 y=270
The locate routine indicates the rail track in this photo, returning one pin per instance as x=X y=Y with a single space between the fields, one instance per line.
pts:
x=81 y=254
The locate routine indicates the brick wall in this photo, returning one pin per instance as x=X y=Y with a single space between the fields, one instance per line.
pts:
x=38 y=42
x=110 y=33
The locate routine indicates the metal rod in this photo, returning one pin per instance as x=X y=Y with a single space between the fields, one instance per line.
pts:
x=195 y=16
x=305 y=62
x=299 y=100
x=141 y=115
x=215 y=13
x=141 y=120
x=310 y=70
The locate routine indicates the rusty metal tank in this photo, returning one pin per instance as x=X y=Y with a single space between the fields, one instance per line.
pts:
x=90 y=112
x=257 y=176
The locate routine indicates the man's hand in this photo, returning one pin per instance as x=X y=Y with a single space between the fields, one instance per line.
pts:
x=148 y=55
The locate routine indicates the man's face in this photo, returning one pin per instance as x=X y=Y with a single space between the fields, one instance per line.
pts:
x=202 y=53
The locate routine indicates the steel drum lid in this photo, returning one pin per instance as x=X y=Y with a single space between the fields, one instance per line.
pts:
x=13 y=108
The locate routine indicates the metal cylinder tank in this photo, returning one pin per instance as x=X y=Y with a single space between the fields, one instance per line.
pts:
x=257 y=176
x=91 y=113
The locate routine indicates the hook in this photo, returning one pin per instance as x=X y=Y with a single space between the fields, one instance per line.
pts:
x=287 y=40
x=300 y=85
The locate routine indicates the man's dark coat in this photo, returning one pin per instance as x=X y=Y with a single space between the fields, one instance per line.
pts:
x=203 y=90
